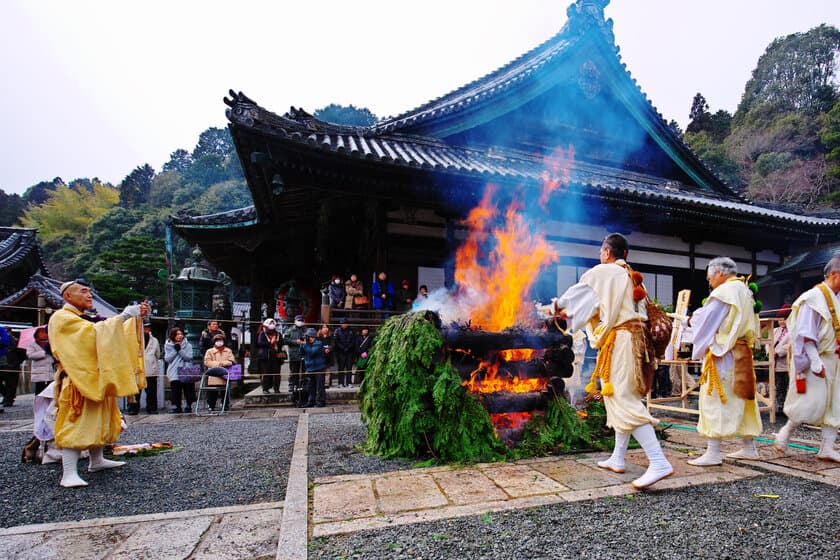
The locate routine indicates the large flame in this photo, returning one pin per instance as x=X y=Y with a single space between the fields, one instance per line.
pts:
x=497 y=264
x=486 y=378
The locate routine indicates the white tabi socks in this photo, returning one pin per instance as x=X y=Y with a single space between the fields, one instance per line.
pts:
x=659 y=466
x=747 y=452
x=100 y=463
x=827 y=451
x=711 y=457
x=616 y=461
x=782 y=438
x=69 y=475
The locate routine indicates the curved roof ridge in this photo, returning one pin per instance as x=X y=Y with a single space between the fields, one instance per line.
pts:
x=583 y=15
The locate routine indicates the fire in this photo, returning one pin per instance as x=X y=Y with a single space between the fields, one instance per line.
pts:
x=500 y=263
x=486 y=379
x=510 y=420
x=517 y=354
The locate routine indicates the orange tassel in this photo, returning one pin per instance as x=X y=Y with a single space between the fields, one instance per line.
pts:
x=639 y=293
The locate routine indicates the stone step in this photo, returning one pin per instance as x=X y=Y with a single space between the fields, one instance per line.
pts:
x=257 y=398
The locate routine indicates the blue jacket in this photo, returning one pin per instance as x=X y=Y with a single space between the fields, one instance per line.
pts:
x=5 y=341
x=380 y=289
x=314 y=358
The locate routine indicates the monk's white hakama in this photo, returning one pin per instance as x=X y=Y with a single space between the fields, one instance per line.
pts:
x=601 y=301
x=726 y=318
x=814 y=347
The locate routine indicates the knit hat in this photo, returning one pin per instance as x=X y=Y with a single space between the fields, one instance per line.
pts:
x=310 y=332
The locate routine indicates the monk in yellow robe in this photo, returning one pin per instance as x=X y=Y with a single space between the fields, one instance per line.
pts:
x=97 y=362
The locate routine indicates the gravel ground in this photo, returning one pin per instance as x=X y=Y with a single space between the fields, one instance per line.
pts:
x=335 y=442
x=222 y=463
x=717 y=521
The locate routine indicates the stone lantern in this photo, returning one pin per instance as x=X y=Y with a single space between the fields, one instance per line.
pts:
x=196 y=286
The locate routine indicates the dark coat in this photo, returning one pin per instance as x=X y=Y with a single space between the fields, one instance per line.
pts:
x=293 y=334
x=345 y=340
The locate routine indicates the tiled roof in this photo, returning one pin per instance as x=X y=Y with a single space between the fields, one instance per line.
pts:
x=240 y=217
x=809 y=260
x=583 y=17
x=49 y=289
x=16 y=244
x=498 y=164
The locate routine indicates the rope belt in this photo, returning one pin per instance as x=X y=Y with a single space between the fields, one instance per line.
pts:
x=604 y=359
x=710 y=376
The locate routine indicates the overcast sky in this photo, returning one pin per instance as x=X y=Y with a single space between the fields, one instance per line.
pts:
x=95 y=88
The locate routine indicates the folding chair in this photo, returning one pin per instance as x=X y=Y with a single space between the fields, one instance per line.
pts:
x=213 y=380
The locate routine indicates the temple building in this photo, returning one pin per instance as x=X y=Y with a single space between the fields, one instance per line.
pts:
x=332 y=199
x=20 y=258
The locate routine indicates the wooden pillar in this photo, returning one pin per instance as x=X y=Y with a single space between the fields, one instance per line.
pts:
x=449 y=266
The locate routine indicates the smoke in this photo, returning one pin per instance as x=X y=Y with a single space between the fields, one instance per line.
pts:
x=454 y=306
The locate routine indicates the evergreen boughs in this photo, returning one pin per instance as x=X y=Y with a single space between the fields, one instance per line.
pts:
x=561 y=430
x=414 y=405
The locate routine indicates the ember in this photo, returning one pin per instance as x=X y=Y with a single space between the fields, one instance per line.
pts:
x=509 y=424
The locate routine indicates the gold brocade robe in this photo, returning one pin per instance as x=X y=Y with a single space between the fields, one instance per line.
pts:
x=98 y=363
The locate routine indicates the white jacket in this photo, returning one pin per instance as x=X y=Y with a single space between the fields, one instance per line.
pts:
x=43 y=365
x=152 y=357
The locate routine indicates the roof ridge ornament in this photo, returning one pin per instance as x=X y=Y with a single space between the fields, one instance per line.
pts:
x=588 y=14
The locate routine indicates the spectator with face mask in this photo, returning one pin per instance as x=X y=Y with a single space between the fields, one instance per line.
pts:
x=216 y=360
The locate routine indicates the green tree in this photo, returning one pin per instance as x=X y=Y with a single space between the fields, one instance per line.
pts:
x=781 y=158
x=180 y=160
x=699 y=115
x=134 y=189
x=11 y=208
x=129 y=271
x=795 y=73
x=347 y=115
x=830 y=138
x=720 y=125
x=70 y=212
x=213 y=142
x=41 y=192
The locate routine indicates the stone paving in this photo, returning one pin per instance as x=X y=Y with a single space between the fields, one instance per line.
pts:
x=349 y=503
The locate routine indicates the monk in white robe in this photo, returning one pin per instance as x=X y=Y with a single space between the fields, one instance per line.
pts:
x=815 y=364
x=724 y=333
x=602 y=302
x=97 y=362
